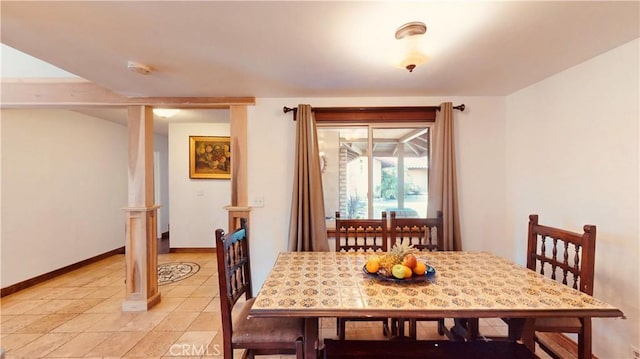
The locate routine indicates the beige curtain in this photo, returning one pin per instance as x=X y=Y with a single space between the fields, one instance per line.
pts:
x=307 y=226
x=443 y=191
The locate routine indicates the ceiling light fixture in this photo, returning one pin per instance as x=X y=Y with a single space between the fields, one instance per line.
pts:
x=165 y=112
x=139 y=68
x=410 y=35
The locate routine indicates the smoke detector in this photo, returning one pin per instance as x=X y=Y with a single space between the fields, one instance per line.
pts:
x=139 y=68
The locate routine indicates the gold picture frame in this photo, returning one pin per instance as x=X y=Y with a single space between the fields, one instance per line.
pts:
x=209 y=157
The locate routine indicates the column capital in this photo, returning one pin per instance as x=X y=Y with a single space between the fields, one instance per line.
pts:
x=141 y=209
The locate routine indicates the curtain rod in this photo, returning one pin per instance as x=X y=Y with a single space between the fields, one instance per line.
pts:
x=286 y=109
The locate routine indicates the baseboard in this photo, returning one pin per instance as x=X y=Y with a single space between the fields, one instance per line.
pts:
x=44 y=277
x=192 y=250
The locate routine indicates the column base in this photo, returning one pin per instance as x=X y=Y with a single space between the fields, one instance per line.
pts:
x=140 y=305
x=235 y=214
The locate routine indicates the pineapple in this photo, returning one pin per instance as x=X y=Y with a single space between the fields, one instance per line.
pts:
x=395 y=256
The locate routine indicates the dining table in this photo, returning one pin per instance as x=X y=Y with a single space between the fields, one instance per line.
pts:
x=463 y=284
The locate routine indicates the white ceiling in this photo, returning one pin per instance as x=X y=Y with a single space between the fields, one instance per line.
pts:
x=314 y=49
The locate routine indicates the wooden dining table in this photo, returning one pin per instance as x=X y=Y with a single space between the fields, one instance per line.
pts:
x=312 y=285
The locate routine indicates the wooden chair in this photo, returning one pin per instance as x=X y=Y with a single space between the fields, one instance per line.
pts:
x=354 y=235
x=361 y=234
x=567 y=257
x=425 y=234
x=259 y=336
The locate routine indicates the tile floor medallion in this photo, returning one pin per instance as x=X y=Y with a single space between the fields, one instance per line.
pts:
x=173 y=272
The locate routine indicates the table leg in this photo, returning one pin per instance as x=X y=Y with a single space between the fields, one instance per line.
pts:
x=311 y=338
x=473 y=328
x=522 y=329
x=464 y=329
x=528 y=334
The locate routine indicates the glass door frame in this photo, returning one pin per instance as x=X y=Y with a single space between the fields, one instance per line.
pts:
x=370 y=126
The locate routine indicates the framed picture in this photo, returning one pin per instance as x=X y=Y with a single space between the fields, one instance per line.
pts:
x=209 y=157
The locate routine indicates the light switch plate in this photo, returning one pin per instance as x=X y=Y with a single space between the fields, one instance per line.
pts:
x=258 y=201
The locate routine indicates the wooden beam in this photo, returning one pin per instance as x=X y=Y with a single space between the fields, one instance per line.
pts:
x=67 y=94
x=413 y=134
x=239 y=149
x=141 y=185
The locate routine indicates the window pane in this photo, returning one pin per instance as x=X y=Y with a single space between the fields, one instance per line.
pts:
x=400 y=171
x=416 y=170
x=345 y=178
x=357 y=176
x=329 y=145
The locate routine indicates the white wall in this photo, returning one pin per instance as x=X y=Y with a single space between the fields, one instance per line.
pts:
x=161 y=145
x=64 y=184
x=480 y=155
x=196 y=204
x=572 y=158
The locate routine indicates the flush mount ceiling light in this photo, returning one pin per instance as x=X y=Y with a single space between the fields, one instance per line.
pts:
x=410 y=34
x=165 y=112
x=139 y=68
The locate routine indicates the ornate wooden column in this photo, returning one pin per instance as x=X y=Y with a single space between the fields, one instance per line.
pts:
x=141 y=254
x=239 y=207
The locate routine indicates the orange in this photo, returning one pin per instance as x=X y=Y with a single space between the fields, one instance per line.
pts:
x=420 y=268
x=408 y=272
x=373 y=264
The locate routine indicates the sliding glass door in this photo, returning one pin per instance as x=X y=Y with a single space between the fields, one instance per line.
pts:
x=374 y=168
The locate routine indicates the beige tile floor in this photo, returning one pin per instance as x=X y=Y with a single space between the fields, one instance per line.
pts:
x=78 y=315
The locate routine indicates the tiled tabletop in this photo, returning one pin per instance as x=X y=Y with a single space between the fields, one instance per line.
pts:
x=466 y=284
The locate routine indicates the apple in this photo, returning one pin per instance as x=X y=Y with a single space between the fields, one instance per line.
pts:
x=410 y=260
x=400 y=271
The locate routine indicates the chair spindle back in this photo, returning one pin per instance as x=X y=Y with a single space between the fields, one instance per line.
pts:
x=424 y=233
x=361 y=234
x=569 y=256
x=234 y=270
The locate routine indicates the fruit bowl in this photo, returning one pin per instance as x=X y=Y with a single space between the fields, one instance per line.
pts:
x=426 y=277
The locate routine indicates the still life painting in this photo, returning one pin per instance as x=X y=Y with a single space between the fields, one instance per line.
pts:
x=209 y=157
